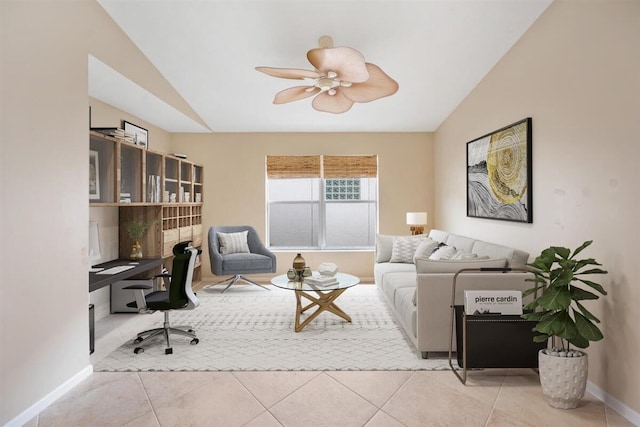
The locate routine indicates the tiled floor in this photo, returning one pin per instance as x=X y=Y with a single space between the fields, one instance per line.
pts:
x=346 y=398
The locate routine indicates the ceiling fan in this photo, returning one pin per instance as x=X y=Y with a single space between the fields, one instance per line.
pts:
x=340 y=79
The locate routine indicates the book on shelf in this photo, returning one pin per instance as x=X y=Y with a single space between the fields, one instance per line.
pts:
x=493 y=302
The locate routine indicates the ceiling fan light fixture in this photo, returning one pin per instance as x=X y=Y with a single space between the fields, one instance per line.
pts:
x=341 y=78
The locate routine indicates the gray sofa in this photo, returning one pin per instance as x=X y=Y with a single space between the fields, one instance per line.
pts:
x=418 y=290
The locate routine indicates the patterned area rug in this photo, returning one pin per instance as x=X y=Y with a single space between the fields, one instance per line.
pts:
x=251 y=329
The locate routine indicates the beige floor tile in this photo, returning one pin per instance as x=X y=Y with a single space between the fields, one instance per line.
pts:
x=500 y=419
x=428 y=398
x=147 y=420
x=103 y=400
x=377 y=386
x=263 y=420
x=271 y=387
x=483 y=386
x=323 y=401
x=521 y=398
x=200 y=399
x=380 y=419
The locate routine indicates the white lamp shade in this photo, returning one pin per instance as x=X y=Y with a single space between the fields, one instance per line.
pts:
x=416 y=218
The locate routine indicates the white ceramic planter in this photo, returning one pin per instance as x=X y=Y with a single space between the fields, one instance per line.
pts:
x=563 y=379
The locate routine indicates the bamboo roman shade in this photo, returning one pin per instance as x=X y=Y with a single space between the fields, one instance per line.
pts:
x=279 y=167
x=350 y=166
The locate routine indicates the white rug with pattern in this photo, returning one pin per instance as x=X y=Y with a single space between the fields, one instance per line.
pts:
x=251 y=329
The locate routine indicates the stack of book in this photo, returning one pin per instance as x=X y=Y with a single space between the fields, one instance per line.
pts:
x=318 y=280
x=122 y=134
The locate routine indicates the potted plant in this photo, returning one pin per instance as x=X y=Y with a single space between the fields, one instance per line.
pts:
x=135 y=231
x=560 y=286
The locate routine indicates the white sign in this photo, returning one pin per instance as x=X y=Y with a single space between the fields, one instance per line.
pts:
x=493 y=302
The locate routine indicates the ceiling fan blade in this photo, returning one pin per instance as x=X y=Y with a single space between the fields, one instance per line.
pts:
x=335 y=104
x=294 y=94
x=289 y=73
x=379 y=85
x=348 y=63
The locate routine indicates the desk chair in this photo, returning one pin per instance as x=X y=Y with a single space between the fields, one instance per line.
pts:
x=178 y=296
x=253 y=258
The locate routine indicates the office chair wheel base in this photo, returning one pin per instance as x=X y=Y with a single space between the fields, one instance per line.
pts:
x=168 y=351
x=138 y=350
x=194 y=341
x=137 y=340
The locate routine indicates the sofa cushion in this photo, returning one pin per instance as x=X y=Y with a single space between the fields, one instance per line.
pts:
x=406 y=309
x=460 y=242
x=404 y=248
x=426 y=266
x=383 y=268
x=384 y=244
x=394 y=281
x=438 y=235
x=515 y=258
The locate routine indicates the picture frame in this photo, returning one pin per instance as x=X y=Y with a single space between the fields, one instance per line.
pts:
x=94 y=175
x=141 y=135
x=499 y=174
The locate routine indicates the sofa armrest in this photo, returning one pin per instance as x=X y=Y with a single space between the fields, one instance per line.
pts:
x=433 y=301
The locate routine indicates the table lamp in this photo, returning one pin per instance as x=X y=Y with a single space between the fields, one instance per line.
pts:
x=416 y=222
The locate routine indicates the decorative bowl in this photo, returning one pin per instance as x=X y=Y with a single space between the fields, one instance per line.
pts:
x=328 y=269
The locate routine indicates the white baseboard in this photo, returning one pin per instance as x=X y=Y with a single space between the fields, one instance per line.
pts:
x=43 y=403
x=614 y=403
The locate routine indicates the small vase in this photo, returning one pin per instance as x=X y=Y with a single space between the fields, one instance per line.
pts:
x=136 y=250
x=299 y=264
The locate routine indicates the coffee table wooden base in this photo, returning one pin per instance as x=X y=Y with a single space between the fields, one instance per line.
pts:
x=324 y=302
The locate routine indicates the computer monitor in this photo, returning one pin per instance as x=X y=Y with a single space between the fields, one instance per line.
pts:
x=94 y=244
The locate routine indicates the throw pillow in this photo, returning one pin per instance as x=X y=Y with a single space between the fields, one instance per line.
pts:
x=233 y=243
x=424 y=249
x=404 y=248
x=443 y=252
x=460 y=254
x=453 y=266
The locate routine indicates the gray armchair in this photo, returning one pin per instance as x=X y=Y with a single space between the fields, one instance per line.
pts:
x=258 y=260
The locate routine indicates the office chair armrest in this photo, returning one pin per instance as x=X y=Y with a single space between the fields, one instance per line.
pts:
x=138 y=287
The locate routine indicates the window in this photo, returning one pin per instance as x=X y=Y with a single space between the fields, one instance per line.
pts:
x=322 y=202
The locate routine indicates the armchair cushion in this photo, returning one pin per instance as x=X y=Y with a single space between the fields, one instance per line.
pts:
x=233 y=243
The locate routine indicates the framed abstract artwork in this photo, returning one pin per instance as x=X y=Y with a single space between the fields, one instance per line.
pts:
x=499 y=174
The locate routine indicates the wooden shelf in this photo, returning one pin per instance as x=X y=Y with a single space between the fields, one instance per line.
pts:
x=149 y=179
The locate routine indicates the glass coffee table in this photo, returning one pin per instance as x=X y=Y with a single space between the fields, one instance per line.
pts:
x=326 y=295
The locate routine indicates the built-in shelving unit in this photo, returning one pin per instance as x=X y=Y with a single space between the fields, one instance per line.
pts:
x=148 y=186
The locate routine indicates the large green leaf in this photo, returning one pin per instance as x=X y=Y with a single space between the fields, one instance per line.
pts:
x=562 y=252
x=581 y=247
x=578 y=294
x=540 y=338
x=537 y=315
x=587 y=329
x=594 y=271
x=587 y=313
x=584 y=262
x=558 y=324
x=555 y=299
x=598 y=287
x=579 y=341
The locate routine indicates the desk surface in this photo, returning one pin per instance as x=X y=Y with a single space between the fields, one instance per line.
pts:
x=97 y=281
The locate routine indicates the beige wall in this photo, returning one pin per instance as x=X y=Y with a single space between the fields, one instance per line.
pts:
x=234 y=180
x=44 y=339
x=576 y=73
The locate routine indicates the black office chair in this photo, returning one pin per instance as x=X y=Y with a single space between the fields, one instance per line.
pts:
x=179 y=296
x=257 y=260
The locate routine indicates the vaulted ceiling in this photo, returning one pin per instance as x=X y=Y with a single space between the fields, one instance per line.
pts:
x=437 y=50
